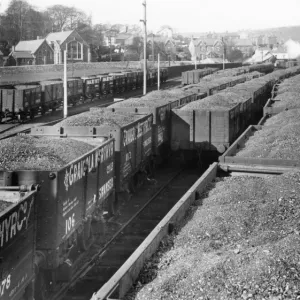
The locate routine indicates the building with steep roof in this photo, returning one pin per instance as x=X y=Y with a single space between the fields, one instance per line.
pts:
x=78 y=49
x=36 y=52
x=208 y=47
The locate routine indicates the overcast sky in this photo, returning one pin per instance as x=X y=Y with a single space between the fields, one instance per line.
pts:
x=187 y=15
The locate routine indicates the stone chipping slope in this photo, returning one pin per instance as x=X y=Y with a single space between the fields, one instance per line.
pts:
x=280 y=142
x=240 y=241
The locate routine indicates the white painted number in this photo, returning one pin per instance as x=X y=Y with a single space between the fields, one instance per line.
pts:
x=70 y=223
x=5 y=284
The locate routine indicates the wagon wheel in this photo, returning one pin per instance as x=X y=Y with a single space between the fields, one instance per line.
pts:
x=86 y=236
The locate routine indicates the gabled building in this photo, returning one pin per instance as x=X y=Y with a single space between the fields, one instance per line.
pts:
x=78 y=49
x=33 y=52
x=206 y=46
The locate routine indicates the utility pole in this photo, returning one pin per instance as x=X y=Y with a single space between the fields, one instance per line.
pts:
x=145 y=47
x=65 y=85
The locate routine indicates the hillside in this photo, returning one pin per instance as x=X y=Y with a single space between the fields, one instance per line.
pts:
x=283 y=33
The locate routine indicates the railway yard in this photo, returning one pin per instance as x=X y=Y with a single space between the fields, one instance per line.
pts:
x=187 y=192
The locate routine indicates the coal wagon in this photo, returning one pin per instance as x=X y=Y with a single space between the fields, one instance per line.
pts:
x=17 y=241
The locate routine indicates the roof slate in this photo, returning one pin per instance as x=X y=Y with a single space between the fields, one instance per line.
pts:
x=58 y=36
x=31 y=46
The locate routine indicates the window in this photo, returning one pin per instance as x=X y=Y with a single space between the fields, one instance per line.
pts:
x=75 y=50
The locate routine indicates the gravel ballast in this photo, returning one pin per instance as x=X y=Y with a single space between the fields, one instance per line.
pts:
x=240 y=241
x=39 y=153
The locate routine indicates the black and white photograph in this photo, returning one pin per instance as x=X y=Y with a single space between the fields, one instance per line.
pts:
x=149 y=150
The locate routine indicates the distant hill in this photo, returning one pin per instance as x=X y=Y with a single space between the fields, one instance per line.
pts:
x=283 y=33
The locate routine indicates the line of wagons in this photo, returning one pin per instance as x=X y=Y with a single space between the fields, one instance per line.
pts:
x=20 y=101
x=59 y=182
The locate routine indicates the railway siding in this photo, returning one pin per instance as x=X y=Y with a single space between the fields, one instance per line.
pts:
x=123 y=279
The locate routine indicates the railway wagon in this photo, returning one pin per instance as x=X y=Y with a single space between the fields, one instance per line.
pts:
x=77 y=185
x=159 y=104
x=163 y=74
x=118 y=82
x=131 y=80
x=106 y=84
x=17 y=242
x=133 y=142
x=91 y=87
x=52 y=94
x=74 y=90
x=194 y=76
x=20 y=101
x=213 y=123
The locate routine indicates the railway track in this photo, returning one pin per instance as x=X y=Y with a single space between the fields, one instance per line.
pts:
x=124 y=233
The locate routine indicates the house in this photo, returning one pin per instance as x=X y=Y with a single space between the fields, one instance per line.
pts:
x=280 y=53
x=33 y=52
x=113 y=38
x=205 y=46
x=78 y=49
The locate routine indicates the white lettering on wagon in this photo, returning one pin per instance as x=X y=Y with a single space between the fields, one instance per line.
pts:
x=15 y=222
x=77 y=170
x=106 y=188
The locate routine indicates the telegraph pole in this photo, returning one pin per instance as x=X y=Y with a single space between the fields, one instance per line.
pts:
x=145 y=47
x=65 y=85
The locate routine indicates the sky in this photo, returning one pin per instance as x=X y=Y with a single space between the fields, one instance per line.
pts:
x=187 y=15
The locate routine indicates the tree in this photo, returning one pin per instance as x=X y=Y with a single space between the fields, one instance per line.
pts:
x=15 y=18
x=234 y=55
x=65 y=17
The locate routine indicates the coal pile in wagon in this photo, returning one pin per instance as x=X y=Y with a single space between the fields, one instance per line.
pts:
x=215 y=102
x=4 y=204
x=274 y=143
x=99 y=117
x=240 y=241
x=39 y=153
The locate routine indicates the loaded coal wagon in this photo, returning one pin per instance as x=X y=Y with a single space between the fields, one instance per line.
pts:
x=159 y=104
x=133 y=141
x=77 y=187
x=17 y=241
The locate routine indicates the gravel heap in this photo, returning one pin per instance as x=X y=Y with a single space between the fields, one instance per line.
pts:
x=276 y=143
x=240 y=241
x=39 y=153
x=139 y=102
x=99 y=117
x=284 y=118
x=288 y=100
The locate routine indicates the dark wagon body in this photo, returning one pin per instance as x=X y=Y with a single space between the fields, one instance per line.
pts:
x=17 y=243
x=52 y=94
x=20 y=100
x=91 y=86
x=68 y=200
